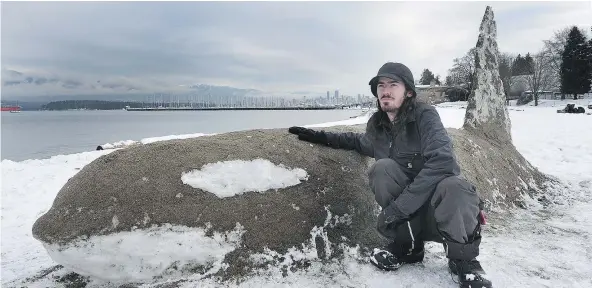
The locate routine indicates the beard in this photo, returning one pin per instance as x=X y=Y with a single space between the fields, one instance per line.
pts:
x=389 y=106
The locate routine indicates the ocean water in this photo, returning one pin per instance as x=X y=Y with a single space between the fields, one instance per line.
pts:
x=42 y=134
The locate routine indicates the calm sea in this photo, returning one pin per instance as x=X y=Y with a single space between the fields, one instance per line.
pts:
x=42 y=134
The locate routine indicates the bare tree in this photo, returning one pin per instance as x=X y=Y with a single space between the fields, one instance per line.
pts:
x=505 y=71
x=463 y=69
x=542 y=75
x=553 y=50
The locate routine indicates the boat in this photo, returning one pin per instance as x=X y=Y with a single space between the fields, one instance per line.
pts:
x=10 y=108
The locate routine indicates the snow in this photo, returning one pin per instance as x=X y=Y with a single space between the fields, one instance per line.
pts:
x=172 y=137
x=564 y=141
x=558 y=103
x=140 y=255
x=124 y=143
x=533 y=247
x=236 y=177
x=28 y=190
x=362 y=119
x=118 y=144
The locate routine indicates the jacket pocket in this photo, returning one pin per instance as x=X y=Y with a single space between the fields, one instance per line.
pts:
x=410 y=160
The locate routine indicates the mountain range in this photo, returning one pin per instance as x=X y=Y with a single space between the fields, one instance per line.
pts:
x=31 y=87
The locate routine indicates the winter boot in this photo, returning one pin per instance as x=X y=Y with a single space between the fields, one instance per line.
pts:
x=463 y=263
x=392 y=256
x=469 y=272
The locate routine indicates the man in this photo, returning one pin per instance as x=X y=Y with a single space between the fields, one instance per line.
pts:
x=415 y=179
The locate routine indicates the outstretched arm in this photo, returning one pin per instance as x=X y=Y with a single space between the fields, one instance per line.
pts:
x=351 y=141
x=347 y=141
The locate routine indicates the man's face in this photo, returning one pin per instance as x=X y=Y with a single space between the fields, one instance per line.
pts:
x=391 y=94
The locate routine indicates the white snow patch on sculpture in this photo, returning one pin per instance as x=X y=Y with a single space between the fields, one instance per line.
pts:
x=230 y=178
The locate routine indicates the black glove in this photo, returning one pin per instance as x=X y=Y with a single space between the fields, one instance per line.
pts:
x=309 y=135
x=389 y=218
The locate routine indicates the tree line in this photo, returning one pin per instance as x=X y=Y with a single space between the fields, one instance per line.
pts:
x=563 y=64
x=89 y=105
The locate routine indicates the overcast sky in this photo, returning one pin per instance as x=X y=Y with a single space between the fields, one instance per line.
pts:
x=274 y=47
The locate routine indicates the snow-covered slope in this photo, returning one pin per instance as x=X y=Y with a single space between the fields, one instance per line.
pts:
x=535 y=247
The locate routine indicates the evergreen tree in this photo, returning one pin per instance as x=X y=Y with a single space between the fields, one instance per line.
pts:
x=426 y=77
x=528 y=65
x=575 y=66
x=437 y=80
x=517 y=66
x=523 y=65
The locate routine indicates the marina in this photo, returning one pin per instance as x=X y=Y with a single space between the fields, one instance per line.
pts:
x=127 y=108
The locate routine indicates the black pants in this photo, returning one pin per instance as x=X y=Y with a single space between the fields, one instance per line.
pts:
x=450 y=216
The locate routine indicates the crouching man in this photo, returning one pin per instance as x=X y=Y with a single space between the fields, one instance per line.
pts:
x=415 y=179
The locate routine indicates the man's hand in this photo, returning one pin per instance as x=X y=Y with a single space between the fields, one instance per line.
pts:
x=309 y=135
x=388 y=220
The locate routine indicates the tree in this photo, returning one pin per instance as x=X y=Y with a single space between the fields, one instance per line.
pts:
x=448 y=81
x=516 y=65
x=554 y=50
x=590 y=55
x=541 y=77
x=437 y=80
x=575 y=66
x=426 y=77
x=522 y=65
x=505 y=70
x=463 y=69
x=528 y=65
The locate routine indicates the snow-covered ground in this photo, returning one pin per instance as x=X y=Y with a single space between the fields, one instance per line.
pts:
x=535 y=247
x=561 y=103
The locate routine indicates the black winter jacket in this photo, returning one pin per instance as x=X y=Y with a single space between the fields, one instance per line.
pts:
x=422 y=148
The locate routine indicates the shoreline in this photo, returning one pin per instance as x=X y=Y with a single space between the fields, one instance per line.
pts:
x=124 y=143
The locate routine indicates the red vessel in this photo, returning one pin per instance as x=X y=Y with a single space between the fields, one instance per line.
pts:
x=11 y=108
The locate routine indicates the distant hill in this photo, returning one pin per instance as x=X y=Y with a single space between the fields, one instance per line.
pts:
x=89 y=105
x=44 y=88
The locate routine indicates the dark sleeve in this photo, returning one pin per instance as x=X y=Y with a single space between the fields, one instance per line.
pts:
x=440 y=163
x=351 y=141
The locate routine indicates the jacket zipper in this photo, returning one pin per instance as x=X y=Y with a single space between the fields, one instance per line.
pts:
x=391 y=146
x=391 y=140
x=410 y=164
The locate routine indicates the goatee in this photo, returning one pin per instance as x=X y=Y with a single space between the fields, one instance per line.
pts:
x=388 y=108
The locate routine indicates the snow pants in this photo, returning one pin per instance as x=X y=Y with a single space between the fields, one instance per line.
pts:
x=450 y=216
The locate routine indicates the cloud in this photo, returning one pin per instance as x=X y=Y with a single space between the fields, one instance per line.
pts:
x=276 y=47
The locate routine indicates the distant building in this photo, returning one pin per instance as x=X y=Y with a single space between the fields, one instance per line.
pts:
x=328 y=97
x=336 y=94
x=431 y=94
x=542 y=94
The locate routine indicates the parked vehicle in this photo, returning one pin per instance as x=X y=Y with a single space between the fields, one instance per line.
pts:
x=571 y=108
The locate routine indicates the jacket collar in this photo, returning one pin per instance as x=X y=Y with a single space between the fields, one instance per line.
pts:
x=384 y=122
